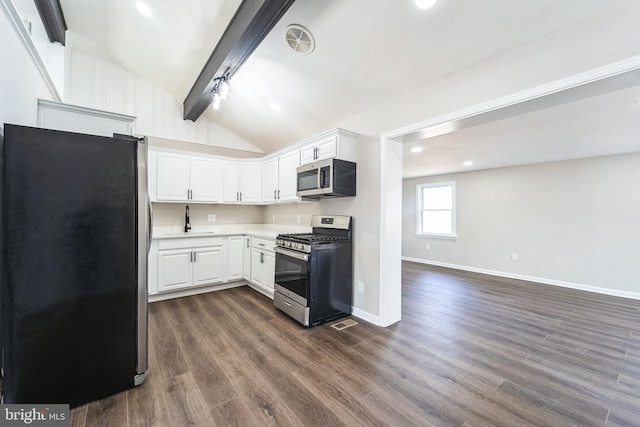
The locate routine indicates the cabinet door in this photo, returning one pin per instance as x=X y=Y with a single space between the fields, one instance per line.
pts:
x=308 y=154
x=246 y=248
x=257 y=267
x=251 y=182
x=231 y=181
x=287 y=176
x=172 y=176
x=206 y=182
x=235 y=262
x=208 y=266
x=269 y=269
x=327 y=148
x=270 y=180
x=174 y=269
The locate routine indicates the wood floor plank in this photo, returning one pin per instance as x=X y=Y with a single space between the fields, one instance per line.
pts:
x=78 y=416
x=107 y=412
x=233 y=413
x=185 y=404
x=471 y=350
x=146 y=403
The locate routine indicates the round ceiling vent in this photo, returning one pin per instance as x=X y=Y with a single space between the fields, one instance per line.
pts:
x=299 y=39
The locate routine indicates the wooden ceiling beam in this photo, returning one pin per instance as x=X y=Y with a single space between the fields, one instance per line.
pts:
x=53 y=19
x=251 y=23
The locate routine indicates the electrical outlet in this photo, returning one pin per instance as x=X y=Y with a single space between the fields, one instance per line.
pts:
x=299 y=219
x=273 y=218
x=361 y=287
x=514 y=257
x=427 y=246
x=211 y=217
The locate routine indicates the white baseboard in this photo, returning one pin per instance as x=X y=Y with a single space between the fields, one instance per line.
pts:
x=545 y=281
x=366 y=316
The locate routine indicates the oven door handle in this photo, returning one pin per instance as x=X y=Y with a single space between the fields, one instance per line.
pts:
x=292 y=254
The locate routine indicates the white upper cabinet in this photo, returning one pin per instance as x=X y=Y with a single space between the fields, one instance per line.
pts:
x=270 y=180
x=288 y=176
x=242 y=182
x=251 y=182
x=182 y=177
x=231 y=181
x=279 y=178
x=173 y=177
x=338 y=143
x=188 y=178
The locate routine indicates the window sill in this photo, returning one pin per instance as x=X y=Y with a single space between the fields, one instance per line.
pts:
x=438 y=236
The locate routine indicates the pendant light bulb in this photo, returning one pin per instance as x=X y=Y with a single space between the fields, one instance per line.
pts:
x=224 y=89
x=217 y=100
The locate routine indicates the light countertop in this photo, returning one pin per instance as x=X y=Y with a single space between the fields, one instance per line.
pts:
x=265 y=231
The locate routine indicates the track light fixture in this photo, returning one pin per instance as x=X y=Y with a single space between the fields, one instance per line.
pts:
x=220 y=91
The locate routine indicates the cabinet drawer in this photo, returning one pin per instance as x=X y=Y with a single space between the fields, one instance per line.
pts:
x=263 y=244
x=292 y=308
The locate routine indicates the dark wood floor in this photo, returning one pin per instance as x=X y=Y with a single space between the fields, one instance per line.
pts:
x=471 y=350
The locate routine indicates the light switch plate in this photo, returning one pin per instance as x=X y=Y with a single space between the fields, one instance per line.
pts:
x=211 y=217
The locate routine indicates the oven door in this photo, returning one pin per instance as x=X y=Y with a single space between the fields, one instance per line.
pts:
x=292 y=274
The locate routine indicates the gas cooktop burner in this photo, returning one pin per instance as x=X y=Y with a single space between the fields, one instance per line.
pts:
x=311 y=237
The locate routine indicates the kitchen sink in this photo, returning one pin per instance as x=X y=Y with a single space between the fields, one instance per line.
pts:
x=190 y=233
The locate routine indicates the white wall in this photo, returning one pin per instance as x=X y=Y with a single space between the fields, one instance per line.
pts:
x=561 y=54
x=21 y=84
x=573 y=221
x=98 y=83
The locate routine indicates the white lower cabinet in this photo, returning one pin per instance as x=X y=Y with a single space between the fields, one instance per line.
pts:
x=235 y=258
x=179 y=265
x=246 y=258
x=208 y=266
x=263 y=266
x=184 y=263
x=175 y=270
x=184 y=268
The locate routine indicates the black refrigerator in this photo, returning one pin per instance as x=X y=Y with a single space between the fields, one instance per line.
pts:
x=74 y=238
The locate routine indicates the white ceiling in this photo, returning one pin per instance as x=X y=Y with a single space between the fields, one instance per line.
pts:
x=367 y=51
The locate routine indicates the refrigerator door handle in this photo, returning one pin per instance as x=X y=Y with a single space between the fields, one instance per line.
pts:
x=145 y=233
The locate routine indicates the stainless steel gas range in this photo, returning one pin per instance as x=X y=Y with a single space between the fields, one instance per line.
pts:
x=314 y=271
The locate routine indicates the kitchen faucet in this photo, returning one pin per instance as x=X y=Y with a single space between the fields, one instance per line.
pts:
x=187 y=222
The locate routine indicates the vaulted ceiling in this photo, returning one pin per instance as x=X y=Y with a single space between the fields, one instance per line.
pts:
x=367 y=51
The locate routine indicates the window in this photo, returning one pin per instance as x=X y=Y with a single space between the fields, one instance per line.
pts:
x=436 y=206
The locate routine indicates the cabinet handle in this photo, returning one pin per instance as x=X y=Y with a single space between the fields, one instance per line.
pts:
x=241 y=196
x=195 y=257
x=190 y=256
x=274 y=194
x=315 y=153
x=261 y=258
x=278 y=194
x=247 y=242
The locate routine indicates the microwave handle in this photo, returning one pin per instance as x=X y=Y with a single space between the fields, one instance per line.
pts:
x=318 y=175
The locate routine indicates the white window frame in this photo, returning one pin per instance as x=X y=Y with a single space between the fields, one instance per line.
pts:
x=419 y=209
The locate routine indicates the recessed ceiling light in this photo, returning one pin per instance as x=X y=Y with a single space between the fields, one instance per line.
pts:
x=144 y=9
x=275 y=106
x=425 y=4
x=467 y=163
x=417 y=149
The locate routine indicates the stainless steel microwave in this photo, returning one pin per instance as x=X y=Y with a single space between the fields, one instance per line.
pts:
x=327 y=178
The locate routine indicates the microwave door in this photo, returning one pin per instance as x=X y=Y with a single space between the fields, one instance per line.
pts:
x=308 y=180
